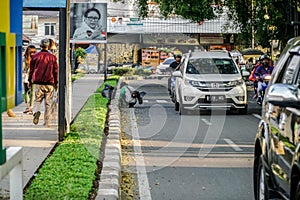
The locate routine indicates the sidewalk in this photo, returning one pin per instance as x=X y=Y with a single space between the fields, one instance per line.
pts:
x=37 y=140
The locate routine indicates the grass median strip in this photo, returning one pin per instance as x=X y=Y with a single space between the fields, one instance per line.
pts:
x=70 y=171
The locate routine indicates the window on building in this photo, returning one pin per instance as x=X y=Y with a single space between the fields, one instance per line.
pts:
x=49 y=28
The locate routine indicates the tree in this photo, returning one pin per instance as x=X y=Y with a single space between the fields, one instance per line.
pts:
x=195 y=10
x=269 y=18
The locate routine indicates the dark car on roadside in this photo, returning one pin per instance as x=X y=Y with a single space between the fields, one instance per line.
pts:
x=276 y=172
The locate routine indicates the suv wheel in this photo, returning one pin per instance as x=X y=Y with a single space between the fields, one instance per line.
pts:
x=176 y=106
x=243 y=111
x=182 y=111
x=297 y=193
x=262 y=191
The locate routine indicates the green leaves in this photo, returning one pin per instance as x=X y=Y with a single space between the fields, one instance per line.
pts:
x=67 y=174
x=197 y=10
x=143 y=8
x=80 y=52
x=194 y=10
x=269 y=18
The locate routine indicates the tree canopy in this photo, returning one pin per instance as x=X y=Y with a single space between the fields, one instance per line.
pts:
x=194 y=10
x=271 y=19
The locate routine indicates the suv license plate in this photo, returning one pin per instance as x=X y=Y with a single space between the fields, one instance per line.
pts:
x=215 y=98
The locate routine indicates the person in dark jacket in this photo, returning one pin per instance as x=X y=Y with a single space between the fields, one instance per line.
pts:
x=263 y=70
x=177 y=61
x=44 y=75
x=174 y=66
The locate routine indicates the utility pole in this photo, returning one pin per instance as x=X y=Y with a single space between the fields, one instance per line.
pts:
x=252 y=25
x=62 y=73
x=69 y=71
x=105 y=62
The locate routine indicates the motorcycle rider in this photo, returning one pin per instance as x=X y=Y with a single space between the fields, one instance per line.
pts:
x=174 y=66
x=129 y=95
x=177 y=61
x=264 y=69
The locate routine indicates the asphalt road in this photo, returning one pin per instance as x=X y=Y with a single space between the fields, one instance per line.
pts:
x=199 y=156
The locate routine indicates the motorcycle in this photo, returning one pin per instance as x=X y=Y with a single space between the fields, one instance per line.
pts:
x=265 y=81
x=137 y=96
x=171 y=84
x=129 y=96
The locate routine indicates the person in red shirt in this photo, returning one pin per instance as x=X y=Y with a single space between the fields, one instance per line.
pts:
x=44 y=75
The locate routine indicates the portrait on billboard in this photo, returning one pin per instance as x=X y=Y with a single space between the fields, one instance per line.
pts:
x=88 y=22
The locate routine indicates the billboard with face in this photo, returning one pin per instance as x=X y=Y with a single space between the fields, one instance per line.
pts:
x=88 y=22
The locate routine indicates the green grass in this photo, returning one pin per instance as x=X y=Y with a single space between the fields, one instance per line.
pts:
x=111 y=80
x=77 y=76
x=69 y=172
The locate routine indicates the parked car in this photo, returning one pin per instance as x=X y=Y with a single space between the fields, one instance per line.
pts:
x=209 y=80
x=162 y=67
x=276 y=159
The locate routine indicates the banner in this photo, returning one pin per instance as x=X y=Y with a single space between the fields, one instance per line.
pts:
x=88 y=22
x=30 y=23
x=125 y=25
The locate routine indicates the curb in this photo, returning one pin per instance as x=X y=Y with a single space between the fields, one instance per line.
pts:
x=109 y=184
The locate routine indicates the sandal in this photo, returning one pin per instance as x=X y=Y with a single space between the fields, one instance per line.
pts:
x=26 y=110
x=36 y=117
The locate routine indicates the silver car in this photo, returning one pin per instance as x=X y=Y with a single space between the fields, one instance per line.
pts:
x=210 y=80
x=161 y=69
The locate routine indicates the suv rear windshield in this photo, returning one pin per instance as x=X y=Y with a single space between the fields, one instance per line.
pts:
x=211 y=66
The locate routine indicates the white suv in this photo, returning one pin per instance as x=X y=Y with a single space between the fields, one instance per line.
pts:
x=208 y=80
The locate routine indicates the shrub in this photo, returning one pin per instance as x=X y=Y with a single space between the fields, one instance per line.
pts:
x=80 y=52
x=111 y=80
x=143 y=72
x=76 y=76
x=121 y=71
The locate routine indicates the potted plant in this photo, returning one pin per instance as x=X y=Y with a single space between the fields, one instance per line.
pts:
x=80 y=55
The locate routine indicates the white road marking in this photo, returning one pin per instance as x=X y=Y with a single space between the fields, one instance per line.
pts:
x=144 y=189
x=232 y=144
x=257 y=116
x=146 y=101
x=206 y=122
x=161 y=101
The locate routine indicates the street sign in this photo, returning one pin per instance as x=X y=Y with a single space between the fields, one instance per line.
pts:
x=135 y=21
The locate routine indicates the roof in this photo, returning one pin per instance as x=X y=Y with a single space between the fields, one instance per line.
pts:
x=25 y=38
x=91 y=49
x=175 y=25
x=252 y=52
x=210 y=54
